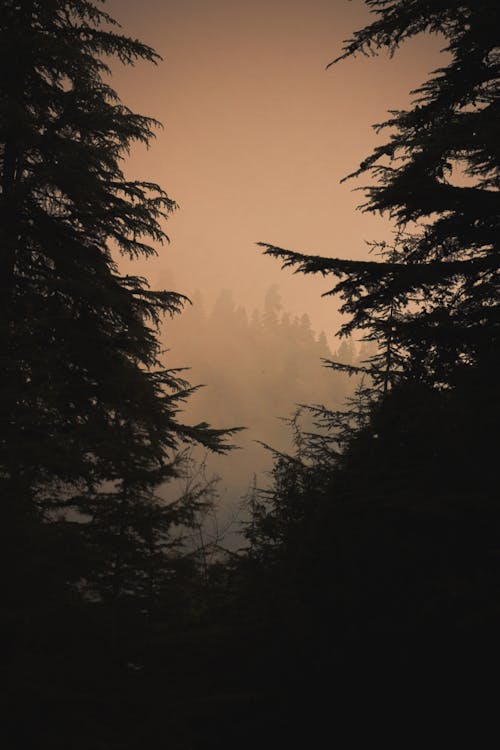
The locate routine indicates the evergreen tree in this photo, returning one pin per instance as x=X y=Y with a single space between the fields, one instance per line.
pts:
x=437 y=176
x=431 y=305
x=89 y=414
x=398 y=491
x=83 y=399
x=89 y=425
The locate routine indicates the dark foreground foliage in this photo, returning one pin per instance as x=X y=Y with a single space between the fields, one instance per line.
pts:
x=381 y=532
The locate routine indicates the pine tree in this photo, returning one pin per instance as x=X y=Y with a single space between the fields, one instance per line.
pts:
x=431 y=305
x=403 y=520
x=81 y=398
x=88 y=414
x=438 y=178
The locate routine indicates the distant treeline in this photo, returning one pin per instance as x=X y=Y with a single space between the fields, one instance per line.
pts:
x=258 y=368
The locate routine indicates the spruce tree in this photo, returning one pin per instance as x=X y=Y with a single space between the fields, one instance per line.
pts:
x=431 y=305
x=403 y=526
x=437 y=177
x=88 y=414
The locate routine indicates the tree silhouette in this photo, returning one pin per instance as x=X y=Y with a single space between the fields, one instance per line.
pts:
x=438 y=178
x=397 y=492
x=89 y=415
x=84 y=399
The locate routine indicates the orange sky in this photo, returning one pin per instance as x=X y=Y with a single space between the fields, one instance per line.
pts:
x=257 y=136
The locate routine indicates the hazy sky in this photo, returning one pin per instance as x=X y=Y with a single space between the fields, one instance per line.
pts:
x=257 y=136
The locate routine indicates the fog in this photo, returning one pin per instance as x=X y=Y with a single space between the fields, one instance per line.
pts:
x=256 y=138
x=258 y=369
